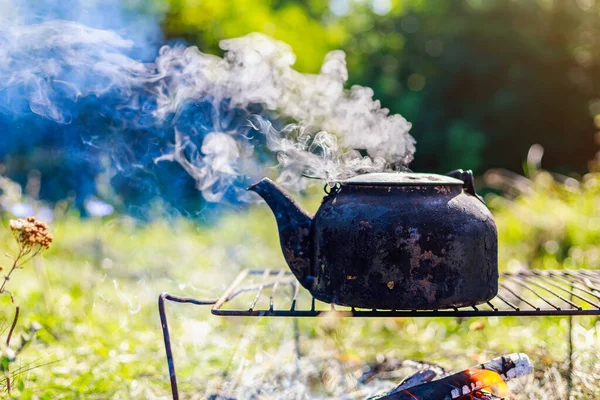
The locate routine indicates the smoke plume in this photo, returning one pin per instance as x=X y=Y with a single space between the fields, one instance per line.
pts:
x=99 y=92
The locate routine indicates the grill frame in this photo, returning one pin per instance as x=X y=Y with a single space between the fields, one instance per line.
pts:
x=537 y=293
x=555 y=289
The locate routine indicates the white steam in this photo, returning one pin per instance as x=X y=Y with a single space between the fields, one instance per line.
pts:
x=49 y=66
x=333 y=123
x=261 y=72
x=215 y=166
x=302 y=153
x=57 y=61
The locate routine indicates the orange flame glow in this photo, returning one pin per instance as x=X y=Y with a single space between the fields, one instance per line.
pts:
x=489 y=381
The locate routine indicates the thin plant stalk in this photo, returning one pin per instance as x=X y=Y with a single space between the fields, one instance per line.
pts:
x=10 y=332
x=32 y=237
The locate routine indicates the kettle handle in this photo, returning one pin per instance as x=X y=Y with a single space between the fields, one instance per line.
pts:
x=468 y=181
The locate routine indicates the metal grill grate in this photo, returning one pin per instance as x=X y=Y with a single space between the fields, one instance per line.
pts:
x=268 y=293
x=273 y=293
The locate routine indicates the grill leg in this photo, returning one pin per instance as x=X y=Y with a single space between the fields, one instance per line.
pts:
x=167 y=338
x=166 y=335
x=570 y=355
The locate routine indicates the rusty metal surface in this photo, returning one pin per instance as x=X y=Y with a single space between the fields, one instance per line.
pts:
x=418 y=247
x=294 y=225
x=396 y=246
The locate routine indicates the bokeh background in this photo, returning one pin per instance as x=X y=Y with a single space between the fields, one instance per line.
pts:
x=509 y=89
x=481 y=81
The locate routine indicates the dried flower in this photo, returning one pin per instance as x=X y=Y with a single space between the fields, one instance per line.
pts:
x=32 y=237
x=31 y=234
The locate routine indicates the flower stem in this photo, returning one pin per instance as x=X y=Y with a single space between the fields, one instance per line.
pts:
x=14 y=324
x=10 y=332
x=16 y=318
x=14 y=266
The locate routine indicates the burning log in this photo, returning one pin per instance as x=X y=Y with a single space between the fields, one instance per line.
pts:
x=418 y=378
x=482 y=382
x=390 y=369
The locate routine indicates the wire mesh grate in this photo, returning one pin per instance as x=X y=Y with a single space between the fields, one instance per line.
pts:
x=277 y=293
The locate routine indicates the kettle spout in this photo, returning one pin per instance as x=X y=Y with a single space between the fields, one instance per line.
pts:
x=294 y=228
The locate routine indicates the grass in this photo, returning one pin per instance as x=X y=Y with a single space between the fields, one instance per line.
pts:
x=95 y=295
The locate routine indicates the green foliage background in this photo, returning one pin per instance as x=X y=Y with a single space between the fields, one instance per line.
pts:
x=481 y=81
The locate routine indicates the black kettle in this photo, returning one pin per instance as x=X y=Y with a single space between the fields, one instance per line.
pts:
x=398 y=241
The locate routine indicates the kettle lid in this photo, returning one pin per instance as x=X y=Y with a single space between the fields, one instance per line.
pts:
x=401 y=179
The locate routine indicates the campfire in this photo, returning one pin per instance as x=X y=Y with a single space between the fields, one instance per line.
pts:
x=378 y=380
x=276 y=293
x=483 y=382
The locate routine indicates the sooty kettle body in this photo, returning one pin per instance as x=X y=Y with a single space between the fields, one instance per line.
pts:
x=398 y=241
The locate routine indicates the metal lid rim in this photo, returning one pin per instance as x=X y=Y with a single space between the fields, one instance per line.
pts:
x=459 y=183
